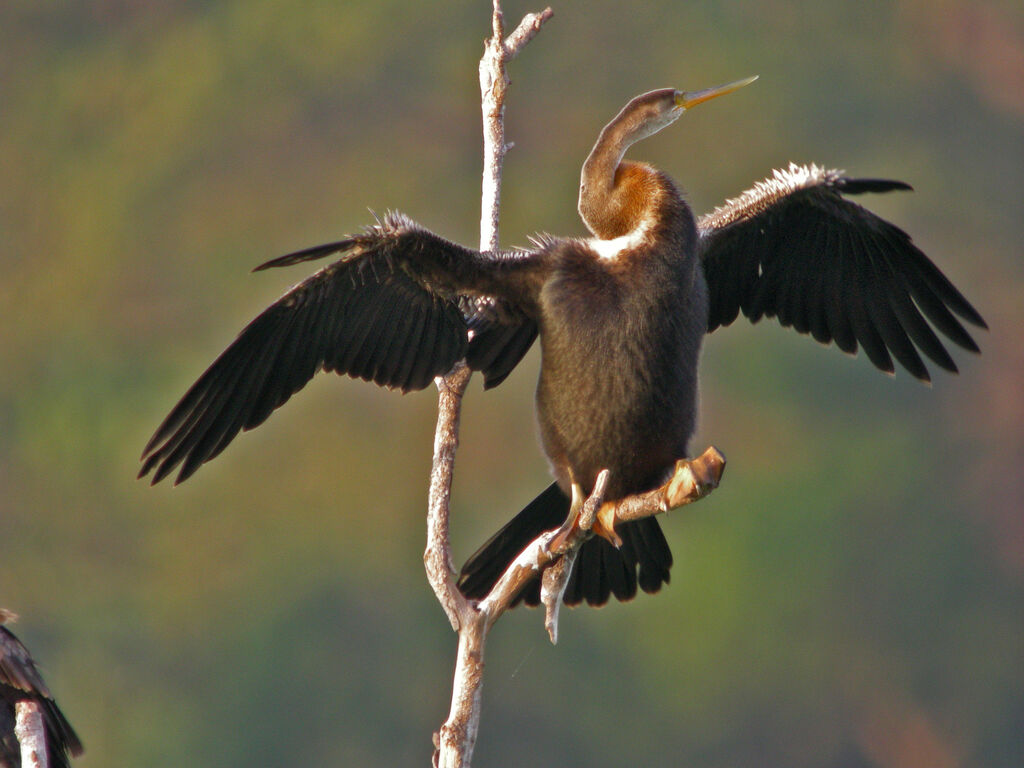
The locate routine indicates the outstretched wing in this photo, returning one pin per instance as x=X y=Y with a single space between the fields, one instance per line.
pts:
x=21 y=681
x=390 y=310
x=794 y=248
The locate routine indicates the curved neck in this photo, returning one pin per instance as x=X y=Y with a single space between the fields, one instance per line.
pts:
x=615 y=196
x=597 y=180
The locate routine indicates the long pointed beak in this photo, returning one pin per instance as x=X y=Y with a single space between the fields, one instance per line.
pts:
x=687 y=99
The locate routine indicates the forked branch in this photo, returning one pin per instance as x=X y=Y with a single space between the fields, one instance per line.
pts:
x=455 y=741
x=552 y=558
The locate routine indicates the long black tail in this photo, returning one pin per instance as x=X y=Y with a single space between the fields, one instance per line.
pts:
x=601 y=570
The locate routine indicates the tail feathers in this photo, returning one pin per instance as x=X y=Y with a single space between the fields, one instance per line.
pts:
x=600 y=571
x=484 y=567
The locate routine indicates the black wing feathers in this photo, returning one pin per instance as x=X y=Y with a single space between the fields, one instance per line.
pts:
x=794 y=249
x=308 y=254
x=387 y=311
x=497 y=347
x=860 y=186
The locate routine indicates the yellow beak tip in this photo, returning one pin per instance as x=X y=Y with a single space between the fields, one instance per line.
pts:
x=687 y=99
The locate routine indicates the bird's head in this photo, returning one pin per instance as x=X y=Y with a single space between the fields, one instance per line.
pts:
x=610 y=204
x=649 y=112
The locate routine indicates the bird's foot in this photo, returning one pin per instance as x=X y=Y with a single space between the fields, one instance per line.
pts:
x=559 y=543
x=604 y=525
x=586 y=517
x=571 y=529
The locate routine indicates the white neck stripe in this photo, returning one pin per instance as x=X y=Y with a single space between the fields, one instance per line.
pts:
x=611 y=249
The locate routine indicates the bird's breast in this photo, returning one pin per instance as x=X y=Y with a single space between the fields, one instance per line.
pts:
x=620 y=340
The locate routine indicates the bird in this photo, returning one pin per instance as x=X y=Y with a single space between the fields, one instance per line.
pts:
x=21 y=681
x=621 y=314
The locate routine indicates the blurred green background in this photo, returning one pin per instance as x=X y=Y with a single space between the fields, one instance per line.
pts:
x=853 y=594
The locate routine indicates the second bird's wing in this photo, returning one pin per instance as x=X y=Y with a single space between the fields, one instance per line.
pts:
x=794 y=248
x=394 y=309
x=20 y=681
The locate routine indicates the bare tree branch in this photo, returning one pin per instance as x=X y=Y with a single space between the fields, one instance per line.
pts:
x=525 y=32
x=555 y=578
x=553 y=553
x=31 y=734
x=455 y=742
x=692 y=480
x=437 y=559
x=493 y=84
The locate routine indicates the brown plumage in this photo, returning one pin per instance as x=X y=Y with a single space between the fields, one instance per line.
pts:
x=620 y=315
x=21 y=681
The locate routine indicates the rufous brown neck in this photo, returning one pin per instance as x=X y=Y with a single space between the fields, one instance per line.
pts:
x=617 y=201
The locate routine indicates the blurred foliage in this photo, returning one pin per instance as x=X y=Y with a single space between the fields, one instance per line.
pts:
x=853 y=595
